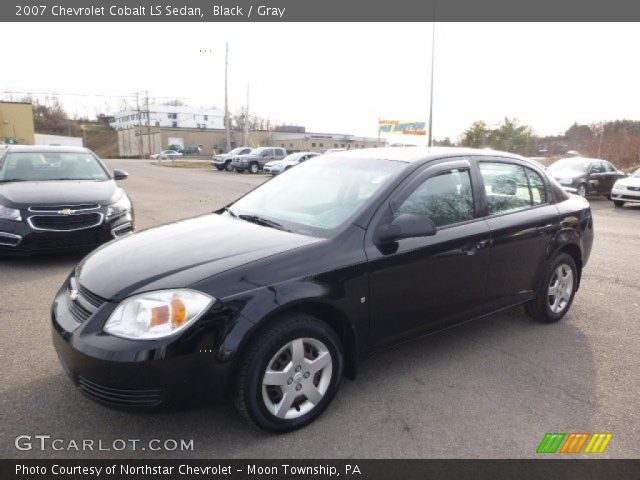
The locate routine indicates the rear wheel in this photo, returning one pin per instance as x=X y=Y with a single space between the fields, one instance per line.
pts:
x=557 y=290
x=289 y=373
x=618 y=203
x=253 y=168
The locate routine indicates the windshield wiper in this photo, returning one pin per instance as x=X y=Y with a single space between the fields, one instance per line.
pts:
x=262 y=221
x=230 y=212
x=11 y=180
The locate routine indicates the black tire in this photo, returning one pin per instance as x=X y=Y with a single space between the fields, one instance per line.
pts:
x=220 y=167
x=239 y=170
x=618 y=203
x=254 y=168
x=248 y=391
x=540 y=309
x=227 y=166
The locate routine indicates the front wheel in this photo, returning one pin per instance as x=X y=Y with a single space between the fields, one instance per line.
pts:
x=253 y=168
x=289 y=373
x=557 y=290
x=220 y=167
x=618 y=203
x=227 y=166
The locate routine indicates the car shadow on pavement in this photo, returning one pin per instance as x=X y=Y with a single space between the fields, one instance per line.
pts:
x=503 y=377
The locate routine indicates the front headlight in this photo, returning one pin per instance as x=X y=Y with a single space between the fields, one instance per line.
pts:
x=565 y=181
x=619 y=186
x=157 y=314
x=121 y=206
x=7 y=213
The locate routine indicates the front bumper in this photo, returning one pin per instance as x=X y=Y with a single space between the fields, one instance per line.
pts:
x=21 y=238
x=133 y=374
x=272 y=170
x=625 y=195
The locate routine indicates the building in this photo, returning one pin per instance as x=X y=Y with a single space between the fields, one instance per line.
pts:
x=16 y=123
x=167 y=116
x=143 y=141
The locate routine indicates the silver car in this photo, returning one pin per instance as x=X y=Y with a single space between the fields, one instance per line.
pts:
x=279 y=166
x=223 y=161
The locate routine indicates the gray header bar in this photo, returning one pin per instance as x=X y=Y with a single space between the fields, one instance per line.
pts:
x=317 y=10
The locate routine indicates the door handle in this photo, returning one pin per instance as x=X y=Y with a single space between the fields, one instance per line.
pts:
x=472 y=248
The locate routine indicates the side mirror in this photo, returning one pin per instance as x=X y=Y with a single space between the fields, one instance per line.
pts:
x=407 y=225
x=120 y=175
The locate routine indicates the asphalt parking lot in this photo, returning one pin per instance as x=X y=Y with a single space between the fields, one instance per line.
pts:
x=490 y=388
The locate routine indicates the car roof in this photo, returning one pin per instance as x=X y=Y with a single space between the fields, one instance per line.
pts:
x=417 y=154
x=46 y=149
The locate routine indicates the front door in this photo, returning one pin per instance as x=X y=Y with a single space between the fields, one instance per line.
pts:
x=423 y=284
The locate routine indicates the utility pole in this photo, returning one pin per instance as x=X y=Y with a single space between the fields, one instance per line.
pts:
x=139 y=126
x=226 y=96
x=146 y=92
x=246 y=120
x=433 y=50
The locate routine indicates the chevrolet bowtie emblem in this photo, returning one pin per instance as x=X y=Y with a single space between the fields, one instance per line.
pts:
x=66 y=211
x=73 y=295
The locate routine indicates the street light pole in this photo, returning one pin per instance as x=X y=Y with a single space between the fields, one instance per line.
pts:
x=433 y=43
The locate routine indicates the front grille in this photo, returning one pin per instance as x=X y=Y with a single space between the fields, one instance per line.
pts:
x=120 y=396
x=629 y=197
x=65 y=223
x=85 y=304
x=78 y=240
x=58 y=208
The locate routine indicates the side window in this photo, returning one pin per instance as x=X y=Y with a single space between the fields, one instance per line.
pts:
x=609 y=168
x=597 y=167
x=445 y=198
x=538 y=189
x=506 y=186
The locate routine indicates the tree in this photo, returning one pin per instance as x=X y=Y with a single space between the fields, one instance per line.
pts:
x=476 y=136
x=510 y=136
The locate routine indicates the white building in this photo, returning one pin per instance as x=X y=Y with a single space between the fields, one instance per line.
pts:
x=168 y=116
x=57 y=140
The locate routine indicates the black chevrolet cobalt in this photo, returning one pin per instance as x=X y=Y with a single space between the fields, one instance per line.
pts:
x=272 y=299
x=59 y=198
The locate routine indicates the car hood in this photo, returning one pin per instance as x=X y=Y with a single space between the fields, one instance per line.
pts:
x=567 y=174
x=66 y=192
x=629 y=181
x=277 y=163
x=179 y=254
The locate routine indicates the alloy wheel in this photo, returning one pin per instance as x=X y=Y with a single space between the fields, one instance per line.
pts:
x=297 y=378
x=582 y=191
x=253 y=168
x=560 y=288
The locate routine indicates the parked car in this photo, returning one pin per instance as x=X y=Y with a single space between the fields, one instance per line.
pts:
x=257 y=159
x=164 y=154
x=272 y=299
x=191 y=150
x=288 y=162
x=585 y=176
x=59 y=198
x=223 y=161
x=626 y=190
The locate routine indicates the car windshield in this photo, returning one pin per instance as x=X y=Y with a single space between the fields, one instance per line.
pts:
x=636 y=174
x=570 y=164
x=317 y=196
x=293 y=157
x=237 y=151
x=43 y=166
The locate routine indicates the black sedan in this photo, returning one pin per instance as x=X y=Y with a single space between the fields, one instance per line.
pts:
x=59 y=198
x=585 y=176
x=271 y=300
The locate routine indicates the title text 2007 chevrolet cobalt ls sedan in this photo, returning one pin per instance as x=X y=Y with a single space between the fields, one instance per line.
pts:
x=273 y=298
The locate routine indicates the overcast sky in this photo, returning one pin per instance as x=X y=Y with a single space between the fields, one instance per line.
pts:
x=340 y=77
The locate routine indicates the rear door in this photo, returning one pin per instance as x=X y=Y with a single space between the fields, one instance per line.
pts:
x=522 y=222
x=422 y=284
